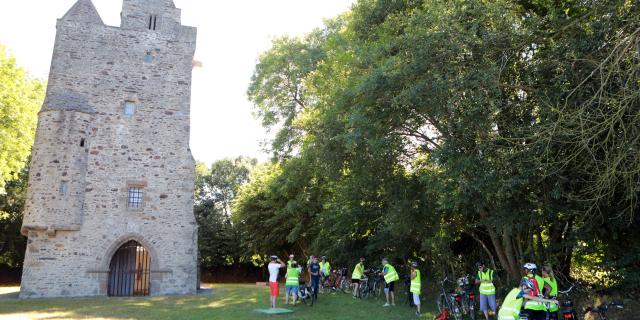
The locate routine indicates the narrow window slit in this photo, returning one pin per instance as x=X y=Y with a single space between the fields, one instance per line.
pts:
x=82 y=142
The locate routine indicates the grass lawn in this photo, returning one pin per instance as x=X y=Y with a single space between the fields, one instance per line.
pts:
x=233 y=301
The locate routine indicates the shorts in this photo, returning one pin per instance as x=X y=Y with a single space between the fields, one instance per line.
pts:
x=291 y=289
x=274 y=288
x=536 y=314
x=388 y=287
x=488 y=301
x=355 y=280
x=416 y=299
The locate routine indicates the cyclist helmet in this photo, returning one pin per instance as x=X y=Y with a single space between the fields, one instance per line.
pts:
x=274 y=257
x=414 y=264
x=362 y=259
x=385 y=260
x=530 y=266
x=324 y=257
x=291 y=256
x=479 y=264
x=527 y=283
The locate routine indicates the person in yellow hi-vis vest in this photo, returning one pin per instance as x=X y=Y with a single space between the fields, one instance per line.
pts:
x=390 y=277
x=293 y=282
x=512 y=304
x=356 y=275
x=550 y=280
x=416 y=286
x=487 y=289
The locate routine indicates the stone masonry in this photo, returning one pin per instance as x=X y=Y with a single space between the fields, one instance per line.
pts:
x=115 y=117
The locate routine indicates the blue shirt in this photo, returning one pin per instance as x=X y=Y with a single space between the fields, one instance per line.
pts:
x=314 y=268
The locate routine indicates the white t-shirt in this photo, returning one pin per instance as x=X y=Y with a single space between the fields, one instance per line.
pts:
x=274 y=269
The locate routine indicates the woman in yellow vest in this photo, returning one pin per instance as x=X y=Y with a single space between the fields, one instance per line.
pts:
x=535 y=309
x=487 y=289
x=293 y=282
x=356 y=275
x=416 y=286
x=390 y=277
x=550 y=280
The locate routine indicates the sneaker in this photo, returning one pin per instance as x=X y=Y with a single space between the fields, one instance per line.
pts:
x=418 y=313
x=386 y=305
x=394 y=304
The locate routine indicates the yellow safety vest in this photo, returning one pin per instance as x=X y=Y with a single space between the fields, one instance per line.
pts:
x=535 y=305
x=510 y=309
x=416 y=284
x=486 y=288
x=325 y=266
x=358 y=271
x=292 y=277
x=554 y=292
x=391 y=274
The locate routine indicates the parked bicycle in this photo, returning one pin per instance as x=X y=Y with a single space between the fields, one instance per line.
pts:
x=305 y=294
x=468 y=297
x=567 y=311
x=377 y=284
x=341 y=283
x=602 y=309
x=447 y=300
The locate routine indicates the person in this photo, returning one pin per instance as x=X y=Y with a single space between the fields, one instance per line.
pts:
x=535 y=309
x=390 y=277
x=291 y=256
x=416 y=286
x=314 y=274
x=356 y=275
x=293 y=282
x=487 y=289
x=512 y=304
x=550 y=280
x=274 y=268
x=325 y=268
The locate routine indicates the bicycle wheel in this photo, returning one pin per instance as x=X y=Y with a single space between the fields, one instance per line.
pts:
x=472 y=309
x=455 y=309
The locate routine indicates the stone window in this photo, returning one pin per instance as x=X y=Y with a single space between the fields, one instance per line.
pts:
x=135 y=197
x=129 y=108
x=82 y=142
x=153 y=21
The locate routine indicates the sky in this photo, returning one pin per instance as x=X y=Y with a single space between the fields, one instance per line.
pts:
x=231 y=35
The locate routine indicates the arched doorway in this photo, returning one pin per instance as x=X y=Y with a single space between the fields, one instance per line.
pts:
x=129 y=271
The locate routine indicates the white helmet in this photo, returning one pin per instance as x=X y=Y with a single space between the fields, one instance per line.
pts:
x=530 y=266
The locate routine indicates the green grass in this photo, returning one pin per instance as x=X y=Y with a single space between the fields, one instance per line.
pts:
x=227 y=302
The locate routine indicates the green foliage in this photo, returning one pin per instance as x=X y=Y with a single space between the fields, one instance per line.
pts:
x=20 y=99
x=450 y=131
x=219 y=240
x=12 y=243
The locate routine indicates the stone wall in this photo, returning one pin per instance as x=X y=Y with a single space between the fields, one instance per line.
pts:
x=86 y=141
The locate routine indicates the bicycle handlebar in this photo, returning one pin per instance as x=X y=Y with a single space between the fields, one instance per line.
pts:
x=568 y=290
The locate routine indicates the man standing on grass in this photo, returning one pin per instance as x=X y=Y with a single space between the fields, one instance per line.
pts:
x=416 y=286
x=274 y=269
x=390 y=278
x=487 y=289
x=314 y=273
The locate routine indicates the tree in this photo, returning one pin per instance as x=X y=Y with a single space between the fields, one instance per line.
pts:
x=216 y=188
x=20 y=99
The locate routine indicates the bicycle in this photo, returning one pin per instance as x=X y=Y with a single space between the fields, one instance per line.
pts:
x=305 y=294
x=602 y=309
x=377 y=284
x=447 y=301
x=363 y=288
x=567 y=311
x=468 y=297
x=341 y=283
x=326 y=285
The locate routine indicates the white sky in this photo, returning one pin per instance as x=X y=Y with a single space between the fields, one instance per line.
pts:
x=231 y=34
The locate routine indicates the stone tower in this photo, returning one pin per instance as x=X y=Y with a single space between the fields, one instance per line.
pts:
x=110 y=200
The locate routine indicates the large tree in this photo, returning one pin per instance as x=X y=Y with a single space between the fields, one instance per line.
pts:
x=20 y=99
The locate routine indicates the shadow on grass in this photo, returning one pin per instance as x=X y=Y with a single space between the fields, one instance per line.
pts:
x=226 y=302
